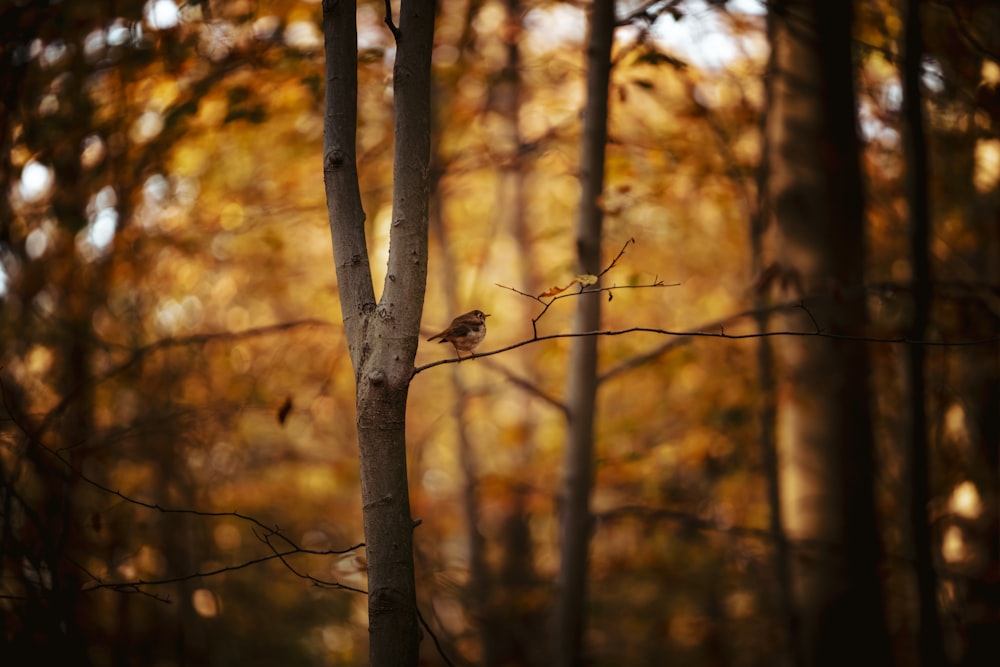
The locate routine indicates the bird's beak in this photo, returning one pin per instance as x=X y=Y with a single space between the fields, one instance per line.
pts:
x=486 y=315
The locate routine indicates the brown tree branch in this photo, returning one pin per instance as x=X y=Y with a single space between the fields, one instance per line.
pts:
x=388 y=21
x=722 y=333
x=962 y=24
x=322 y=583
x=269 y=532
x=136 y=355
x=137 y=585
x=549 y=297
x=530 y=387
x=340 y=174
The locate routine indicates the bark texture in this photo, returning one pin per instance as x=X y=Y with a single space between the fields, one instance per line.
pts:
x=382 y=336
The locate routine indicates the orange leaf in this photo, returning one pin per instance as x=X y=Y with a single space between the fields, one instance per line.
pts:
x=552 y=291
x=582 y=279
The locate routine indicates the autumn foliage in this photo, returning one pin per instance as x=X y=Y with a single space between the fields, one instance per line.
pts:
x=179 y=477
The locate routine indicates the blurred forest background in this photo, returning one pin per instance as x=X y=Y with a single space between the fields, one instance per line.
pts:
x=178 y=460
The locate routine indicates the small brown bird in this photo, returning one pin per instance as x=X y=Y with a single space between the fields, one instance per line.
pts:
x=465 y=332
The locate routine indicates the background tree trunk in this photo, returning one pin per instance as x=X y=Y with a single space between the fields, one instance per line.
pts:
x=915 y=379
x=970 y=385
x=767 y=406
x=382 y=338
x=824 y=424
x=479 y=589
x=571 y=607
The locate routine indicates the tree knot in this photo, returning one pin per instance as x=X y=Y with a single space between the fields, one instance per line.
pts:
x=335 y=158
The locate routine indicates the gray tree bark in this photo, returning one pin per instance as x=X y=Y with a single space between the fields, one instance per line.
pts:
x=382 y=337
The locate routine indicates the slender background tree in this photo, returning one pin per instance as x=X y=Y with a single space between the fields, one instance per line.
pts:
x=581 y=383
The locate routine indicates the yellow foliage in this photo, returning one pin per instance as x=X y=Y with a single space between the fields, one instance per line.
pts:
x=226 y=235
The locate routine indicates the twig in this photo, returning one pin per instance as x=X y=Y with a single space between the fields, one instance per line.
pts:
x=135 y=586
x=963 y=29
x=388 y=20
x=282 y=556
x=562 y=293
x=808 y=312
x=139 y=353
x=642 y=359
x=621 y=252
x=717 y=329
x=584 y=290
x=899 y=340
x=434 y=639
x=530 y=387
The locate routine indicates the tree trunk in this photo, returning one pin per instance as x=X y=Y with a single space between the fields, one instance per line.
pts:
x=478 y=591
x=914 y=373
x=767 y=409
x=382 y=338
x=972 y=373
x=817 y=253
x=571 y=605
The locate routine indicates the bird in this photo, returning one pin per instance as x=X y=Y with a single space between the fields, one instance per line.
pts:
x=465 y=332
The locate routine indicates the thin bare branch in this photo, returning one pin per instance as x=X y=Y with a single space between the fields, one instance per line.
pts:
x=140 y=353
x=137 y=585
x=643 y=359
x=437 y=643
x=268 y=533
x=564 y=293
x=388 y=20
x=614 y=261
x=517 y=291
x=964 y=30
x=322 y=583
x=583 y=290
x=720 y=325
x=529 y=386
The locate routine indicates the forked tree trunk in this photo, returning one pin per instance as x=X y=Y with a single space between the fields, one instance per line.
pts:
x=382 y=337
